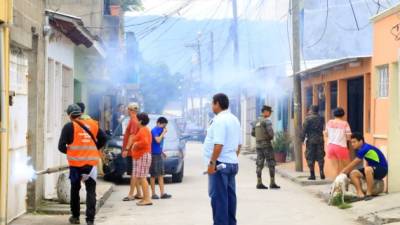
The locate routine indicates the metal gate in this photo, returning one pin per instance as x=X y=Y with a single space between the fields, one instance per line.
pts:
x=18 y=132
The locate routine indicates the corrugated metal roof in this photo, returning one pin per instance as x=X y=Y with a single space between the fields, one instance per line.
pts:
x=331 y=64
x=72 y=27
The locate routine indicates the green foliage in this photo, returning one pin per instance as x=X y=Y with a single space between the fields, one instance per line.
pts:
x=129 y=5
x=281 y=143
x=337 y=201
x=158 y=86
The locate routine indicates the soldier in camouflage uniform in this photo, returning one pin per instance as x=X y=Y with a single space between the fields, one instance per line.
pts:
x=313 y=128
x=264 y=133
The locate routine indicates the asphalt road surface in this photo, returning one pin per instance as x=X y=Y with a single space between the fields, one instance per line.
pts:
x=190 y=203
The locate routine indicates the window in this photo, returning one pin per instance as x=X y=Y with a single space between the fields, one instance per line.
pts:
x=334 y=95
x=321 y=99
x=280 y=109
x=309 y=98
x=383 y=81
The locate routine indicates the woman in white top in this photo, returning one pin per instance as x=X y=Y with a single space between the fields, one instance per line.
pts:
x=338 y=133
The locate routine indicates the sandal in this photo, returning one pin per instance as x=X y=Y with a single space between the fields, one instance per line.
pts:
x=138 y=197
x=128 y=199
x=141 y=203
x=166 y=196
x=368 y=197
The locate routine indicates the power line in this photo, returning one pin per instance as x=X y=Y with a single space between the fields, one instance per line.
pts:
x=325 y=26
x=354 y=14
x=175 y=22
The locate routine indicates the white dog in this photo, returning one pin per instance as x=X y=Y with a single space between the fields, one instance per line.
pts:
x=339 y=187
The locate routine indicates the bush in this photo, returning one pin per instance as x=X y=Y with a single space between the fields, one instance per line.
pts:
x=281 y=143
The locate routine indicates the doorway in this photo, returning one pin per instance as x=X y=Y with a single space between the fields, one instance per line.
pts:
x=355 y=104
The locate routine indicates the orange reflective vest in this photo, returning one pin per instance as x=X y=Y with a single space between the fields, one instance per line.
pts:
x=83 y=150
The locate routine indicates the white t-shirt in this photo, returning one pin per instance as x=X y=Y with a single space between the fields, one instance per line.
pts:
x=337 y=132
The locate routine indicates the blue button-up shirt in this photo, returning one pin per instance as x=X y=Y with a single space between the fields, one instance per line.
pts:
x=224 y=129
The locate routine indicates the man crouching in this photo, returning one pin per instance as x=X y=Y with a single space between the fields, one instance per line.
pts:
x=375 y=166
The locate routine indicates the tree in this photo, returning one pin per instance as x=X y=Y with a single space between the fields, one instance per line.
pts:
x=158 y=86
x=128 y=5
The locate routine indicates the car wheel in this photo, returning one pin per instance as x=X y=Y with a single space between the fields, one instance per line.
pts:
x=178 y=177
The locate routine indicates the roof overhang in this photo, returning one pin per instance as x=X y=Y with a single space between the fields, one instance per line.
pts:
x=386 y=13
x=73 y=28
x=336 y=64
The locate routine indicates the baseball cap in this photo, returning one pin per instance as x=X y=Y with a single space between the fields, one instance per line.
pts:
x=133 y=106
x=74 y=110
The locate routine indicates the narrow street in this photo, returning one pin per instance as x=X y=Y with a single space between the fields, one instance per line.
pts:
x=190 y=203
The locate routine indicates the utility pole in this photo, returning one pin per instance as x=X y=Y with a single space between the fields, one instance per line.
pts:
x=295 y=6
x=211 y=63
x=235 y=36
x=200 y=61
x=197 y=47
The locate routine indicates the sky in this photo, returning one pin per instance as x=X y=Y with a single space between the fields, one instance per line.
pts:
x=264 y=32
x=205 y=9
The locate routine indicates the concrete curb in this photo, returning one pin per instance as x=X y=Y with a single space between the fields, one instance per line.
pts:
x=55 y=208
x=296 y=177
x=300 y=178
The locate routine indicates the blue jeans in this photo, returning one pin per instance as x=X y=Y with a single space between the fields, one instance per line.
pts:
x=222 y=191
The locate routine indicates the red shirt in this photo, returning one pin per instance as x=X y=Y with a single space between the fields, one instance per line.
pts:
x=131 y=129
x=143 y=140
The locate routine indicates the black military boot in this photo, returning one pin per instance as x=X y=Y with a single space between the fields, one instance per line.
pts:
x=321 y=170
x=312 y=175
x=74 y=220
x=273 y=185
x=260 y=185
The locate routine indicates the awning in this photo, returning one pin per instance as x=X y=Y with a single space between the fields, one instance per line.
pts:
x=73 y=28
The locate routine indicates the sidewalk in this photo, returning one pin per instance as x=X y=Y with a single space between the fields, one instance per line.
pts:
x=384 y=209
x=53 y=213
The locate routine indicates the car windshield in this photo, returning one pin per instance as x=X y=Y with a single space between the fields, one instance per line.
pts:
x=171 y=139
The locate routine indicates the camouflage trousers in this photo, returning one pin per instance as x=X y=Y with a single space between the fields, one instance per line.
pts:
x=265 y=154
x=315 y=153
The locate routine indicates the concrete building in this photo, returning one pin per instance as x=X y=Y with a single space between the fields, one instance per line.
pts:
x=5 y=21
x=66 y=39
x=385 y=90
x=38 y=54
x=340 y=83
x=26 y=84
x=273 y=88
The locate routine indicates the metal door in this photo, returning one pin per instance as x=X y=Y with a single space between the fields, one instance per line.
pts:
x=18 y=132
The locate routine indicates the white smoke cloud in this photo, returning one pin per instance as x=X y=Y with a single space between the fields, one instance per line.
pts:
x=21 y=170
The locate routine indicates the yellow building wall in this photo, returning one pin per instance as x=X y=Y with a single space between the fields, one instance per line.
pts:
x=5 y=19
x=385 y=113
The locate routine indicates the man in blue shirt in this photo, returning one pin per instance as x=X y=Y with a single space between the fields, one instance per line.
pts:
x=376 y=166
x=222 y=147
x=157 y=161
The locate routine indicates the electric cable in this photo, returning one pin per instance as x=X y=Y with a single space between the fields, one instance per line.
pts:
x=324 y=29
